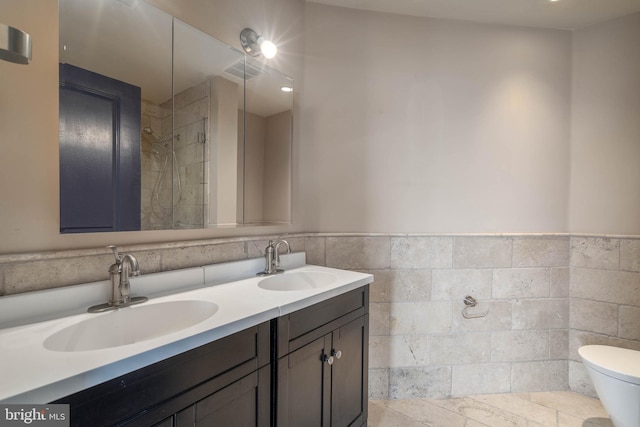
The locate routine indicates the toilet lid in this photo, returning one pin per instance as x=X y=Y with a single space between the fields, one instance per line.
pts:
x=616 y=362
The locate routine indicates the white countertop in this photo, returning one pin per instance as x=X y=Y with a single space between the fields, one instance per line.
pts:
x=30 y=373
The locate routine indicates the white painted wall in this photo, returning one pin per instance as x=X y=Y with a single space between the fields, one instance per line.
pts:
x=426 y=125
x=605 y=143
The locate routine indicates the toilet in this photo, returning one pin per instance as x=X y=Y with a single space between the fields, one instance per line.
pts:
x=615 y=373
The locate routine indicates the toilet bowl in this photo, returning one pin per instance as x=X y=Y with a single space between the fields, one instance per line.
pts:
x=615 y=373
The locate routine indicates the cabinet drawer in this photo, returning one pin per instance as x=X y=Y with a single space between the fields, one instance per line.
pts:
x=300 y=327
x=125 y=397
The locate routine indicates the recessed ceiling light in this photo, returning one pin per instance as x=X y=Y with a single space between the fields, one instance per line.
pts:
x=286 y=89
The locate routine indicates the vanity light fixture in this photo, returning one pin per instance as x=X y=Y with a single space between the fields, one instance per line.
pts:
x=254 y=44
x=286 y=89
x=15 y=45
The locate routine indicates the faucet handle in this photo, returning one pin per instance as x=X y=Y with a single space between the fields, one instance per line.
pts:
x=114 y=249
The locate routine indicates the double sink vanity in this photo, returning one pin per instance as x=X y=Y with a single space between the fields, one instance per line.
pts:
x=214 y=345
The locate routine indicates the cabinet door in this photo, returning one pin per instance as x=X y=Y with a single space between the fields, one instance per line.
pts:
x=304 y=387
x=236 y=405
x=349 y=374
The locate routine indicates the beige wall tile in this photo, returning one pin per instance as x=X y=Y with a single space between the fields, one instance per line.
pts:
x=518 y=346
x=579 y=380
x=358 y=253
x=624 y=343
x=403 y=285
x=408 y=383
x=379 y=290
x=399 y=351
x=411 y=285
x=548 y=313
x=456 y=349
x=410 y=350
x=520 y=283
x=379 y=318
x=195 y=256
x=629 y=322
x=559 y=286
x=297 y=244
x=480 y=379
x=579 y=338
x=559 y=344
x=595 y=252
x=37 y=275
x=540 y=251
x=620 y=287
x=255 y=248
x=420 y=318
x=630 y=254
x=455 y=284
x=482 y=252
x=540 y=376
x=314 y=248
x=379 y=352
x=378 y=384
x=421 y=252
x=594 y=316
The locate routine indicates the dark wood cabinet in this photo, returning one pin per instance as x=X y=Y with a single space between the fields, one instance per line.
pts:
x=222 y=381
x=323 y=363
x=244 y=403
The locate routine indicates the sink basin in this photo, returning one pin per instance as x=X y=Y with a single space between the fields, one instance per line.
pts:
x=300 y=281
x=130 y=325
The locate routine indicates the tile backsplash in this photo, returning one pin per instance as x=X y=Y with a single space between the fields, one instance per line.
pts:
x=544 y=296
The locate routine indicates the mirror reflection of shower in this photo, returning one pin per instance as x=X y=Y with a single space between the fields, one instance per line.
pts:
x=163 y=199
x=173 y=172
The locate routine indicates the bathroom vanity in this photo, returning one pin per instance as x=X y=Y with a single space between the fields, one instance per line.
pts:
x=286 y=350
x=322 y=363
x=226 y=382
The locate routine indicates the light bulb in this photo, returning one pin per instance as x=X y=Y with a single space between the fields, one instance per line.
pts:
x=268 y=48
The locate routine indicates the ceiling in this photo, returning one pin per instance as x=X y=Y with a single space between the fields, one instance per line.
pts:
x=561 y=14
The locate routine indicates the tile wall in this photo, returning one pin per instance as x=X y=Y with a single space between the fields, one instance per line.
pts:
x=422 y=346
x=605 y=299
x=544 y=297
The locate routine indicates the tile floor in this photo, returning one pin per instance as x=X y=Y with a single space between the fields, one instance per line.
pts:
x=561 y=409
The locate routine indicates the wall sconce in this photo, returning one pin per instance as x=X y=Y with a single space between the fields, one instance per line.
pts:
x=254 y=44
x=15 y=45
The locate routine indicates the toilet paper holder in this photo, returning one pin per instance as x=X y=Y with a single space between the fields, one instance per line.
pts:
x=469 y=303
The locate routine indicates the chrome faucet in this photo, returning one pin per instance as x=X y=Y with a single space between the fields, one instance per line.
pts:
x=125 y=266
x=272 y=257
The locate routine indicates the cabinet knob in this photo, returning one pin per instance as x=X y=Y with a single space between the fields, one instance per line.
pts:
x=336 y=353
x=328 y=359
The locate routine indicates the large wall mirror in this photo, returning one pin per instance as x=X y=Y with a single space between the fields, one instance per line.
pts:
x=165 y=127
